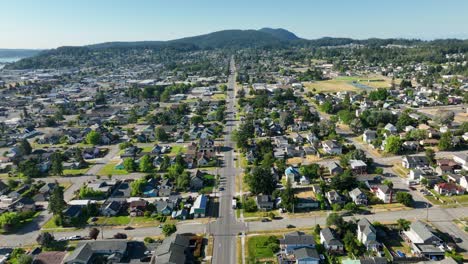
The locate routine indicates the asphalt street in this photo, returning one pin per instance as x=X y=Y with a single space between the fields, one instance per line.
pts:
x=226 y=228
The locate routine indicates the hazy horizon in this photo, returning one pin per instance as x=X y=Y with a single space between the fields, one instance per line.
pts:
x=53 y=23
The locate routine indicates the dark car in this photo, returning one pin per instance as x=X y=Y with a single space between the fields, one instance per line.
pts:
x=290 y=226
x=128 y=228
x=265 y=220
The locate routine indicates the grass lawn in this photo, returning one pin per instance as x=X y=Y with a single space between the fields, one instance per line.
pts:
x=75 y=171
x=113 y=221
x=330 y=86
x=257 y=248
x=109 y=168
x=218 y=97
x=458 y=199
x=176 y=149
x=143 y=221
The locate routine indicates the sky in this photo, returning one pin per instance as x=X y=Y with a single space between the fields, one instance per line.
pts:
x=43 y=24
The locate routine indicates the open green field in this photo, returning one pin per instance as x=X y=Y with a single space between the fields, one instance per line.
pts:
x=344 y=83
x=109 y=168
x=176 y=149
x=258 y=248
x=113 y=221
x=448 y=200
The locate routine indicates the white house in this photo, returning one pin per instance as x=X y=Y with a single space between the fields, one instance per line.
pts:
x=385 y=193
x=369 y=135
x=462 y=159
x=331 y=147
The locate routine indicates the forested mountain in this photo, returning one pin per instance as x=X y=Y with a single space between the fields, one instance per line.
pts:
x=265 y=38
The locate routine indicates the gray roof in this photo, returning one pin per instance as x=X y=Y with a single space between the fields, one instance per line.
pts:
x=306 y=252
x=173 y=250
x=329 y=237
x=422 y=230
x=85 y=250
x=297 y=238
x=366 y=227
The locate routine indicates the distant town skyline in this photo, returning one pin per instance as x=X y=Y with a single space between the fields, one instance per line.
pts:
x=52 y=23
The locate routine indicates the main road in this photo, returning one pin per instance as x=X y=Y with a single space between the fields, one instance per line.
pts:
x=226 y=228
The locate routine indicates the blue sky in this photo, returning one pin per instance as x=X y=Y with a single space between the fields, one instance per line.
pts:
x=53 y=23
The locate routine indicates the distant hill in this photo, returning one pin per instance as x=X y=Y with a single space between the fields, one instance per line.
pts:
x=280 y=33
x=122 y=52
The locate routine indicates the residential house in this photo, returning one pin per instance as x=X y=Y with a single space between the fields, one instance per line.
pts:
x=330 y=241
x=264 y=202
x=306 y=203
x=296 y=240
x=115 y=250
x=334 y=168
x=292 y=174
x=423 y=241
x=49 y=257
x=464 y=182
x=358 y=166
x=367 y=234
x=369 y=135
x=111 y=208
x=385 y=193
x=391 y=128
x=358 y=196
x=199 y=206
x=196 y=180
x=174 y=250
x=448 y=189
x=334 y=197
x=164 y=207
x=71 y=212
x=137 y=207
x=306 y=256
x=462 y=159
x=331 y=147
x=411 y=162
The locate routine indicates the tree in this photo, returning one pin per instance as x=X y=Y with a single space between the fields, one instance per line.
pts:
x=351 y=207
x=351 y=244
x=183 y=180
x=317 y=229
x=137 y=186
x=129 y=164
x=388 y=182
x=29 y=168
x=335 y=219
x=56 y=201
x=56 y=167
x=445 y=142
x=311 y=171
x=24 y=259
x=430 y=155
x=45 y=239
x=24 y=147
x=287 y=197
x=393 y=144
x=250 y=205
x=161 y=134
x=404 y=198
x=403 y=224
x=196 y=120
x=93 y=233
x=169 y=229
x=86 y=192
x=9 y=220
x=93 y=138
x=260 y=180
x=145 y=164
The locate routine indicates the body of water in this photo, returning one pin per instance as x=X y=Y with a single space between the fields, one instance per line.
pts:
x=6 y=60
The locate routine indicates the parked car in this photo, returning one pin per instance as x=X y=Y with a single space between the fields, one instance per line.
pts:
x=75 y=238
x=128 y=228
x=266 y=220
x=290 y=226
